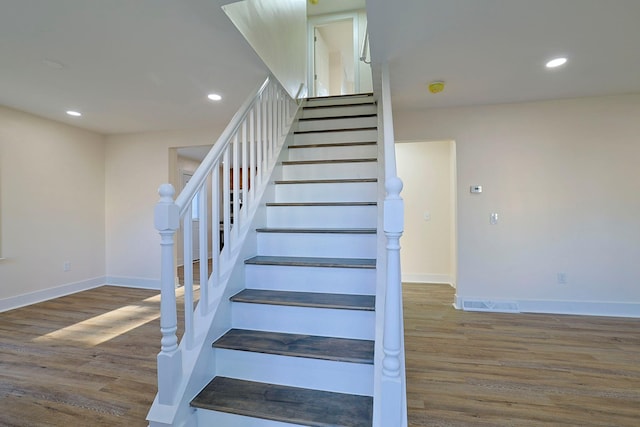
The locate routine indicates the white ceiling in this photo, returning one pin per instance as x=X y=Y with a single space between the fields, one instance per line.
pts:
x=147 y=65
x=129 y=66
x=494 y=51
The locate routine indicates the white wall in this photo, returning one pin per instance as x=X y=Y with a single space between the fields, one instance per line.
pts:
x=136 y=165
x=52 y=201
x=277 y=31
x=564 y=177
x=427 y=245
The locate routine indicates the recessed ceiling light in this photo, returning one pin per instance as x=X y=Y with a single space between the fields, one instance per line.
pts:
x=556 y=62
x=74 y=113
x=214 y=97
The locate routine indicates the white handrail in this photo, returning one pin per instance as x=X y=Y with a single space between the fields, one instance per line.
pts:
x=365 y=46
x=245 y=152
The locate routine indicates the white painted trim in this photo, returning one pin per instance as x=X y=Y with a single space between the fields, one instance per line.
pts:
x=317 y=20
x=50 y=293
x=134 y=282
x=427 y=278
x=582 y=308
x=586 y=308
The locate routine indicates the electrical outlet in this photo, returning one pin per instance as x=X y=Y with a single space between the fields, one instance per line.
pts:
x=67 y=266
x=493 y=219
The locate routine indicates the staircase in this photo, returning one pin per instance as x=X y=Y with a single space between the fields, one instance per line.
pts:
x=301 y=348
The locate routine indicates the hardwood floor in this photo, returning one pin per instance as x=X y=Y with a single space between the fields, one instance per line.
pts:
x=491 y=369
x=89 y=359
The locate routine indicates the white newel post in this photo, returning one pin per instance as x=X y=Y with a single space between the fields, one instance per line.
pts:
x=167 y=219
x=392 y=388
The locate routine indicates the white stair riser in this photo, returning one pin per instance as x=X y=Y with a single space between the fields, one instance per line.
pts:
x=331 y=137
x=304 y=320
x=322 y=216
x=347 y=110
x=339 y=123
x=361 y=99
x=317 y=245
x=324 y=153
x=340 y=377
x=331 y=171
x=223 y=419
x=311 y=279
x=331 y=192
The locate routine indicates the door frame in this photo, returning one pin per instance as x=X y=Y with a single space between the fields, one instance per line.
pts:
x=316 y=21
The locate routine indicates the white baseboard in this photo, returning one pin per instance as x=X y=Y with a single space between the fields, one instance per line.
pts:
x=50 y=293
x=583 y=308
x=587 y=308
x=427 y=278
x=134 y=282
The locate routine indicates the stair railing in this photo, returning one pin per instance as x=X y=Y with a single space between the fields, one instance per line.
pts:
x=365 y=47
x=224 y=191
x=392 y=396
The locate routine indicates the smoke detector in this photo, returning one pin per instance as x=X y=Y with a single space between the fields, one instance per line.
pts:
x=436 y=87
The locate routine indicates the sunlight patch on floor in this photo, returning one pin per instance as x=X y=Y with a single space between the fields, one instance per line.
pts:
x=104 y=327
x=107 y=326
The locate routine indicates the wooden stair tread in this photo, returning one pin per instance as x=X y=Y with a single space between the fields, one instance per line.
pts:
x=306 y=299
x=285 y=404
x=316 y=162
x=312 y=261
x=298 y=345
x=319 y=230
x=355 y=116
x=351 y=95
x=355 y=104
x=327 y=181
x=321 y=204
x=334 y=144
x=336 y=130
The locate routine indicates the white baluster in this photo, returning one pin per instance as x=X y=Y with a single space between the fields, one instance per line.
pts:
x=252 y=157
x=235 y=164
x=166 y=219
x=226 y=206
x=244 y=184
x=187 y=233
x=203 y=217
x=259 y=142
x=215 y=223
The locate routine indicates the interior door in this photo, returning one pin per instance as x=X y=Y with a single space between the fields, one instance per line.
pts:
x=321 y=64
x=335 y=64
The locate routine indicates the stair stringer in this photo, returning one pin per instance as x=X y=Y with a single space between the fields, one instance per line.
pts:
x=199 y=362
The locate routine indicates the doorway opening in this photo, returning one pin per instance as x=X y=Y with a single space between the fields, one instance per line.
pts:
x=334 y=55
x=429 y=242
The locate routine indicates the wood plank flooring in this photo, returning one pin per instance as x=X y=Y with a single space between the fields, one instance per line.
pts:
x=61 y=364
x=493 y=369
x=87 y=359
